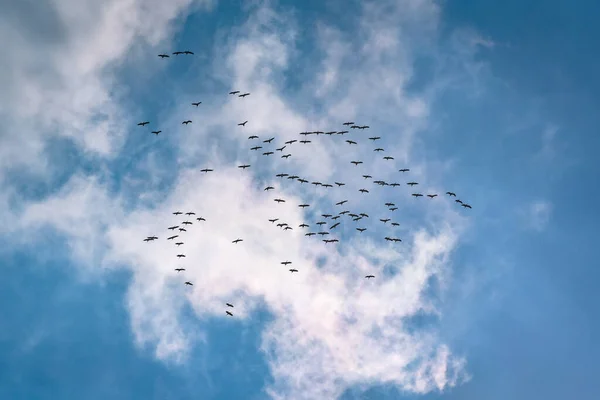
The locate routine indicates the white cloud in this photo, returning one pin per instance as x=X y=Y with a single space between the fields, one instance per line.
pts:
x=537 y=215
x=332 y=328
x=57 y=76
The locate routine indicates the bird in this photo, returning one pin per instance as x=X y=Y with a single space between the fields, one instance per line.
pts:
x=370 y=276
x=465 y=205
x=177 y=213
x=379 y=149
x=186 y=223
x=384 y=220
x=180 y=255
x=412 y=183
x=229 y=304
x=279 y=200
x=348 y=123
x=374 y=138
x=205 y=170
x=178 y=53
x=334 y=225
x=292 y=270
x=256 y=148
x=451 y=194
x=431 y=196
x=404 y=170
x=190 y=213
x=156 y=132
x=244 y=95
x=305 y=141
x=351 y=142
x=179 y=243
x=197 y=103
x=274 y=220
x=268 y=153
x=361 y=230
x=291 y=141
x=182 y=230
x=281 y=175
x=286 y=262
x=304 y=205
x=363 y=190
x=339 y=183
x=389 y=204
x=228 y=313
x=417 y=195
x=237 y=241
x=172 y=237
x=179 y=269
x=303 y=226
x=339 y=203
x=268 y=140
x=393 y=208
x=189 y=121
x=356 y=162
x=163 y=55
x=269 y=188
x=287 y=156
x=244 y=166
x=395 y=224
x=310 y=234
x=234 y=92
x=388 y=158
x=200 y=219
x=144 y=123
x=253 y=137
x=173 y=227
x=189 y=283
x=243 y=123
x=281 y=148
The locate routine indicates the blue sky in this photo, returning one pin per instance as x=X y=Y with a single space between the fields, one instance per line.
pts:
x=496 y=102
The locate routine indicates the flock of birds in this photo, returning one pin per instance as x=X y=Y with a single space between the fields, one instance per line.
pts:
x=332 y=218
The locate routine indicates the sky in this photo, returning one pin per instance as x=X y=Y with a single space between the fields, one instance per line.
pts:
x=496 y=102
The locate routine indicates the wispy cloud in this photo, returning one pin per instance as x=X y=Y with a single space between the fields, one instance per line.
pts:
x=538 y=214
x=331 y=329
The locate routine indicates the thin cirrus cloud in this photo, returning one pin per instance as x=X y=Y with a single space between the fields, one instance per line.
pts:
x=331 y=328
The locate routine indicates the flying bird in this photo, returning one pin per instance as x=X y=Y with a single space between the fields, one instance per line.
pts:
x=303 y=226
x=334 y=225
x=177 y=213
x=256 y=148
x=228 y=313
x=370 y=276
x=305 y=141
x=287 y=156
x=412 y=183
x=384 y=220
x=182 y=230
x=361 y=230
x=286 y=262
x=431 y=196
x=179 y=269
x=291 y=141
x=356 y=162
x=388 y=158
x=144 y=123
x=200 y=219
x=205 y=170
x=339 y=183
x=173 y=227
x=189 y=283
x=379 y=149
x=363 y=190
x=269 y=188
x=179 y=243
x=187 y=52
x=229 y=304
x=163 y=55
x=243 y=123
x=190 y=213
x=339 y=203
x=268 y=153
x=274 y=220
x=244 y=95
x=234 y=92
x=451 y=194
x=374 y=138
x=465 y=205
x=186 y=122
x=197 y=104
x=237 y=240
x=293 y=270
x=279 y=200
x=253 y=137
x=348 y=123
x=304 y=205
x=268 y=140
x=417 y=195
x=172 y=237
x=350 y=142
x=156 y=132
x=404 y=170
x=180 y=255
x=280 y=149
x=244 y=166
